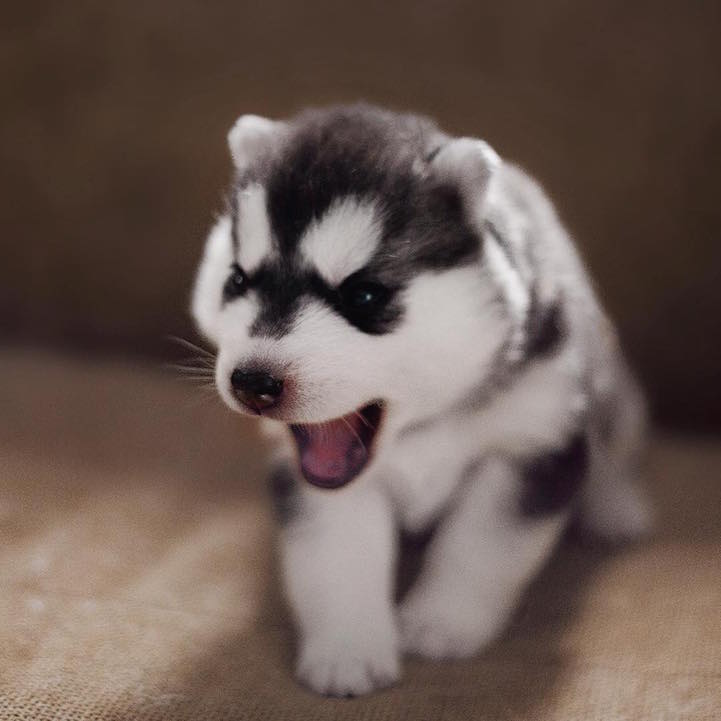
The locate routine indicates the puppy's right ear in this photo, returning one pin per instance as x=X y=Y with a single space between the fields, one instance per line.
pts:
x=470 y=164
x=250 y=137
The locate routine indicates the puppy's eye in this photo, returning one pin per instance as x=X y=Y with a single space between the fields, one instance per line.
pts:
x=366 y=304
x=363 y=296
x=236 y=285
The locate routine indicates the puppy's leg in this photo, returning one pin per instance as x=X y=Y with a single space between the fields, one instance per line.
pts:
x=337 y=551
x=483 y=555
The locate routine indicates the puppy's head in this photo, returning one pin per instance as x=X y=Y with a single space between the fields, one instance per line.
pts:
x=344 y=287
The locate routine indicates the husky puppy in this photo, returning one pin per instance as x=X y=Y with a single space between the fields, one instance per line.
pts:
x=408 y=315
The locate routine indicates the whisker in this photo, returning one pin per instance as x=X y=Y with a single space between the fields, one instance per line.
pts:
x=198 y=361
x=195 y=377
x=363 y=419
x=190 y=346
x=355 y=433
x=201 y=370
x=197 y=380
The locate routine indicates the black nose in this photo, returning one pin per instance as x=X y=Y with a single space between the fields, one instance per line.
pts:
x=256 y=390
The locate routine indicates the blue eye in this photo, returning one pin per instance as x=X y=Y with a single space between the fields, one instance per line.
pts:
x=236 y=285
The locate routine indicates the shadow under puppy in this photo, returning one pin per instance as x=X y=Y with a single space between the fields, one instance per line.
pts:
x=407 y=315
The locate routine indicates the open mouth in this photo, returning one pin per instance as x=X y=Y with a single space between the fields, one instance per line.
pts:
x=333 y=453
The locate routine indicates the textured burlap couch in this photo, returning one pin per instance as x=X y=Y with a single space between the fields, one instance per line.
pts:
x=137 y=577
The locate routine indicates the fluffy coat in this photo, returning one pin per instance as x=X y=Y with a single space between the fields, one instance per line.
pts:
x=410 y=320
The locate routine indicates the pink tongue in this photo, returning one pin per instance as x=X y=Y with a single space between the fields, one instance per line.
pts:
x=329 y=449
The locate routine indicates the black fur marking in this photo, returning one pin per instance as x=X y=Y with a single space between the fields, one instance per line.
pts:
x=232 y=210
x=552 y=480
x=433 y=154
x=363 y=153
x=279 y=289
x=336 y=155
x=236 y=284
x=545 y=328
x=502 y=242
x=284 y=494
x=412 y=551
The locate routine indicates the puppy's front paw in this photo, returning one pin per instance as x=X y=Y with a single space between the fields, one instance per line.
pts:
x=350 y=662
x=441 y=626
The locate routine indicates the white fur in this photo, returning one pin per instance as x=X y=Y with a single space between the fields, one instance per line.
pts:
x=254 y=238
x=349 y=639
x=334 y=368
x=471 y=163
x=457 y=463
x=541 y=407
x=212 y=273
x=479 y=562
x=510 y=285
x=343 y=240
x=249 y=136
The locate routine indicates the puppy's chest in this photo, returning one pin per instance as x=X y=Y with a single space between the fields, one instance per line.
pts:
x=422 y=470
x=424 y=465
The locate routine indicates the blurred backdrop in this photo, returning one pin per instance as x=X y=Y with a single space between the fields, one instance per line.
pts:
x=114 y=158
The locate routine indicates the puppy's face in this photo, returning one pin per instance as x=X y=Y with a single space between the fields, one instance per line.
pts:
x=344 y=289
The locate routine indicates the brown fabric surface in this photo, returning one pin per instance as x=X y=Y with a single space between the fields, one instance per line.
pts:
x=112 y=140
x=136 y=578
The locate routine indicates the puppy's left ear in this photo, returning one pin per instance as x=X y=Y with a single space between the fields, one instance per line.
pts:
x=468 y=163
x=250 y=136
